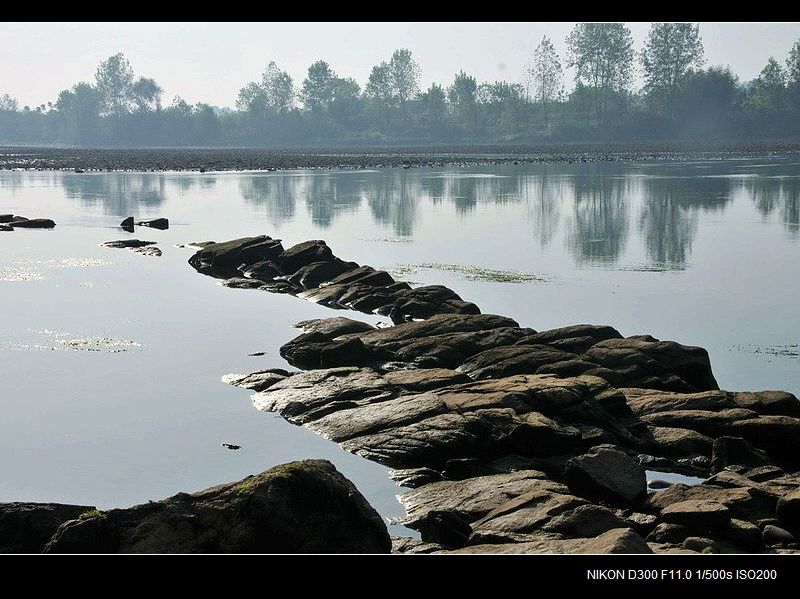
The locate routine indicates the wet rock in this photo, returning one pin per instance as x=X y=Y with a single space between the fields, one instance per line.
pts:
x=697 y=514
x=17 y=219
x=266 y=270
x=6 y=218
x=257 y=381
x=33 y=223
x=735 y=451
x=26 y=527
x=242 y=283
x=415 y=477
x=302 y=507
x=607 y=474
x=156 y=223
x=147 y=251
x=334 y=327
x=424 y=302
x=364 y=275
x=302 y=254
x=222 y=260
x=775 y=536
x=127 y=243
x=312 y=275
x=788 y=511
x=127 y=224
x=6 y=227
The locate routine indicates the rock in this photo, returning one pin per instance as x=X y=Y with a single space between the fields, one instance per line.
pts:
x=607 y=474
x=585 y=521
x=364 y=275
x=744 y=503
x=413 y=546
x=266 y=270
x=775 y=536
x=574 y=338
x=788 y=511
x=730 y=451
x=34 y=223
x=697 y=514
x=763 y=473
x=127 y=224
x=415 y=477
x=700 y=545
x=703 y=421
x=301 y=507
x=221 y=260
x=127 y=243
x=619 y=540
x=242 y=283
x=768 y=403
x=6 y=227
x=26 y=527
x=257 y=381
x=444 y=528
x=657 y=484
x=650 y=401
x=667 y=533
x=156 y=223
x=147 y=251
x=680 y=441
x=302 y=254
x=743 y=534
x=424 y=302
x=334 y=327
x=311 y=275
x=17 y=219
x=6 y=218
x=778 y=436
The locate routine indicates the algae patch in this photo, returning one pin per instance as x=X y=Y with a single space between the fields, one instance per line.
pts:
x=470 y=273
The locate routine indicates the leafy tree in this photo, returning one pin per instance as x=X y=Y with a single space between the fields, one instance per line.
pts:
x=319 y=87
x=404 y=75
x=602 y=55
x=114 y=80
x=8 y=103
x=80 y=110
x=670 y=52
x=273 y=95
x=146 y=94
x=380 y=89
x=546 y=75
x=345 y=105
x=768 y=92
x=793 y=73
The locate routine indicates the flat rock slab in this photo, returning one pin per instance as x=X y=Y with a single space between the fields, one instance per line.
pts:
x=607 y=474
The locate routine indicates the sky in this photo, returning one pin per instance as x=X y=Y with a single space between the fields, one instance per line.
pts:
x=210 y=62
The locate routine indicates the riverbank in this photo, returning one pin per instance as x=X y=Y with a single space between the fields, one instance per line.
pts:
x=252 y=159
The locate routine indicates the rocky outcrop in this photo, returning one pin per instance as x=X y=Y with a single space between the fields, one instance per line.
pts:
x=301 y=507
x=517 y=440
x=311 y=271
x=27 y=527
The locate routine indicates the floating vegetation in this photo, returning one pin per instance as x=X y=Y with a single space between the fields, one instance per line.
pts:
x=63 y=341
x=781 y=351
x=389 y=240
x=470 y=273
x=652 y=267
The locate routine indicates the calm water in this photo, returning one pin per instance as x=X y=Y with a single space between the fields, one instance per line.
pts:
x=111 y=360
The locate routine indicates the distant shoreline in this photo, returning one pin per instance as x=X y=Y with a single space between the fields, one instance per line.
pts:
x=356 y=158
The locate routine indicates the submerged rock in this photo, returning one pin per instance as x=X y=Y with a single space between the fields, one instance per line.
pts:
x=127 y=243
x=301 y=507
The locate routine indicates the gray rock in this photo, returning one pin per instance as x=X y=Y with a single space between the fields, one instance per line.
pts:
x=607 y=474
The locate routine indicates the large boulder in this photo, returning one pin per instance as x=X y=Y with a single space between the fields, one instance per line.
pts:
x=222 y=259
x=606 y=473
x=27 y=527
x=424 y=302
x=302 y=254
x=301 y=507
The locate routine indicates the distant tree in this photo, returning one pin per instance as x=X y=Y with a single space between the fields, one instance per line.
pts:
x=380 y=88
x=114 y=80
x=251 y=98
x=602 y=55
x=273 y=95
x=404 y=75
x=319 y=87
x=546 y=76
x=463 y=96
x=768 y=91
x=670 y=52
x=79 y=109
x=8 y=103
x=345 y=104
x=146 y=94
x=433 y=103
x=707 y=102
x=793 y=73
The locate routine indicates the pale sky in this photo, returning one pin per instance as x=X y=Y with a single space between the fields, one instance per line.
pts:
x=210 y=61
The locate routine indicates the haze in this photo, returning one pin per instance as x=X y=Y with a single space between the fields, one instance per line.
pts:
x=210 y=62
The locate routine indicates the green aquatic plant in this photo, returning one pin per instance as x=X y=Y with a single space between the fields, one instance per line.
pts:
x=470 y=273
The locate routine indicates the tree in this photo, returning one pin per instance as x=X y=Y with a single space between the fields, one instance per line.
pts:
x=8 y=103
x=79 y=109
x=345 y=105
x=251 y=98
x=768 y=91
x=146 y=94
x=793 y=73
x=670 y=52
x=319 y=87
x=278 y=89
x=602 y=55
x=404 y=75
x=546 y=75
x=114 y=80
x=463 y=95
x=434 y=104
x=379 y=88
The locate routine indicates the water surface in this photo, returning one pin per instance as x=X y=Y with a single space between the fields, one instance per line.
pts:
x=112 y=360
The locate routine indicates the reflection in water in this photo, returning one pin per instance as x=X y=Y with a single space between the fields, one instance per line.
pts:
x=781 y=194
x=592 y=207
x=669 y=214
x=598 y=230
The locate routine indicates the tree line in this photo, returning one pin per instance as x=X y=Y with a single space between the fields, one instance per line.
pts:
x=681 y=99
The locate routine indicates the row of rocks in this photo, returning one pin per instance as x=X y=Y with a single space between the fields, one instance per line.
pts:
x=9 y=222
x=517 y=440
x=311 y=271
x=156 y=223
x=301 y=507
